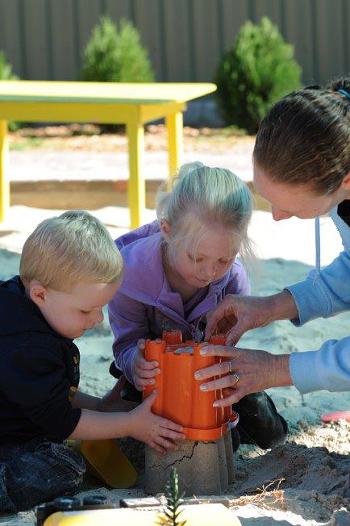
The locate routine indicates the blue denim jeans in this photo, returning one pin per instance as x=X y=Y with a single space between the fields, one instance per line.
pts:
x=36 y=472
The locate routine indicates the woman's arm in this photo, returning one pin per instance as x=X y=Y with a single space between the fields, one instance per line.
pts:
x=324 y=293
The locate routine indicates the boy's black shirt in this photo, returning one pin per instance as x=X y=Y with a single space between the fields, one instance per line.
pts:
x=38 y=368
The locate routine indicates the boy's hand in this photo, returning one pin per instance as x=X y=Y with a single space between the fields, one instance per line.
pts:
x=156 y=431
x=112 y=401
x=143 y=371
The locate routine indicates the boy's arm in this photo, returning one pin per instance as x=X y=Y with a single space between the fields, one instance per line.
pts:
x=94 y=425
x=140 y=423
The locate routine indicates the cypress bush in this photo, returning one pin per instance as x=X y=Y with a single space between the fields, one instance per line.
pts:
x=6 y=69
x=257 y=71
x=116 y=56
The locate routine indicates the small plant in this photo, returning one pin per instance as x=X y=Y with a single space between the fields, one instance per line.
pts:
x=173 y=501
x=100 y=55
x=6 y=69
x=254 y=74
x=112 y=56
x=134 y=63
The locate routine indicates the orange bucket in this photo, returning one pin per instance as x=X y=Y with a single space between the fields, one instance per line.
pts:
x=179 y=396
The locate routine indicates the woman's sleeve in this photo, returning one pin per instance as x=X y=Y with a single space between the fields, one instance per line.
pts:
x=328 y=368
x=325 y=293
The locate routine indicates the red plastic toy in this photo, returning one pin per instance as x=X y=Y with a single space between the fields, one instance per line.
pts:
x=179 y=396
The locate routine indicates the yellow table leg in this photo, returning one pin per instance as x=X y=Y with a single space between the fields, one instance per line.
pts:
x=4 y=182
x=174 y=123
x=136 y=189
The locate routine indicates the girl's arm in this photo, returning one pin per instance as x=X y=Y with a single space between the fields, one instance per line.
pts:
x=111 y=401
x=129 y=323
x=85 y=401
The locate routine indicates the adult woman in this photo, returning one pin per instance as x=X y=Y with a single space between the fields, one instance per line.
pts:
x=302 y=166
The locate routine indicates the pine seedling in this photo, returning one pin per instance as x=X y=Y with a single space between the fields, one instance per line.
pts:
x=173 y=501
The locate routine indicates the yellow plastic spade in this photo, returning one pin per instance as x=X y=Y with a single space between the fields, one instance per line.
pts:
x=107 y=461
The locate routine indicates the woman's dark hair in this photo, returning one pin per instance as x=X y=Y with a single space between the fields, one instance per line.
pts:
x=305 y=138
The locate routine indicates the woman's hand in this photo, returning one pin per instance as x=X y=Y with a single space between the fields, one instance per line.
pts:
x=143 y=371
x=237 y=314
x=246 y=371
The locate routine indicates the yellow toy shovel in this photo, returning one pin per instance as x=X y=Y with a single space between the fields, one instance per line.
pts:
x=108 y=463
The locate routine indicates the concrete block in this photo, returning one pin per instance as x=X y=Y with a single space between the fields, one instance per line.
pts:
x=204 y=468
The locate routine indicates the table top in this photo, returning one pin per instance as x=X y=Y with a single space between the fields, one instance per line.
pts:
x=102 y=92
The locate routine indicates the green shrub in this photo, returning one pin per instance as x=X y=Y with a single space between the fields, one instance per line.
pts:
x=254 y=74
x=116 y=56
x=6 y=69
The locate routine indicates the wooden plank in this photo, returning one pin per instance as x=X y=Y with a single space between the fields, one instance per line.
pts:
x=177 y=47
x=330 y=42
x=346 y=33
x=10 y=35
x=35 y=39
x=148 y=21
x=206 y=41
x=233 y=16
x=88 y=15
x=118 y=10
x=302 y=40
x=65 y=65
x=269 y=8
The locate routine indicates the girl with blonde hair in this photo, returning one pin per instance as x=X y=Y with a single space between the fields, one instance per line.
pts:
x=180 y=267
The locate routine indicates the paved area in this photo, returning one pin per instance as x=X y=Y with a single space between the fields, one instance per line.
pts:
x=292 y=239
x=41 y=165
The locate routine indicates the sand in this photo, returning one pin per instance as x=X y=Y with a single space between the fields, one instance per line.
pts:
x=303 y=482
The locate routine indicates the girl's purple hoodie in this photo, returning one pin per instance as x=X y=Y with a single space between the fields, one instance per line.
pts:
x=145 y=305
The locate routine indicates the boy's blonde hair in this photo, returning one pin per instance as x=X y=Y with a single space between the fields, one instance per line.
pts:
x=72 y=247
x=213 y=196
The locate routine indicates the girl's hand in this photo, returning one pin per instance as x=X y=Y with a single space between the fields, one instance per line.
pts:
x=246 y=371
x=143 y=371
x=156 y=431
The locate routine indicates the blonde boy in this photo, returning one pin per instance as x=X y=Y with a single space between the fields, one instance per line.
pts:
x=69 y=269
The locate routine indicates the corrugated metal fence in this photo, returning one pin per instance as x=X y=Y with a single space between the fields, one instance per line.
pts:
x=44 y=39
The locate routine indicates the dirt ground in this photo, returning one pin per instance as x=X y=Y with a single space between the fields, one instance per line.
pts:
x=303 y=482
x=88 y=137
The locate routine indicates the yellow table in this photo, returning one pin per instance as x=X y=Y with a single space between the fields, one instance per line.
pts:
x=115 y=103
